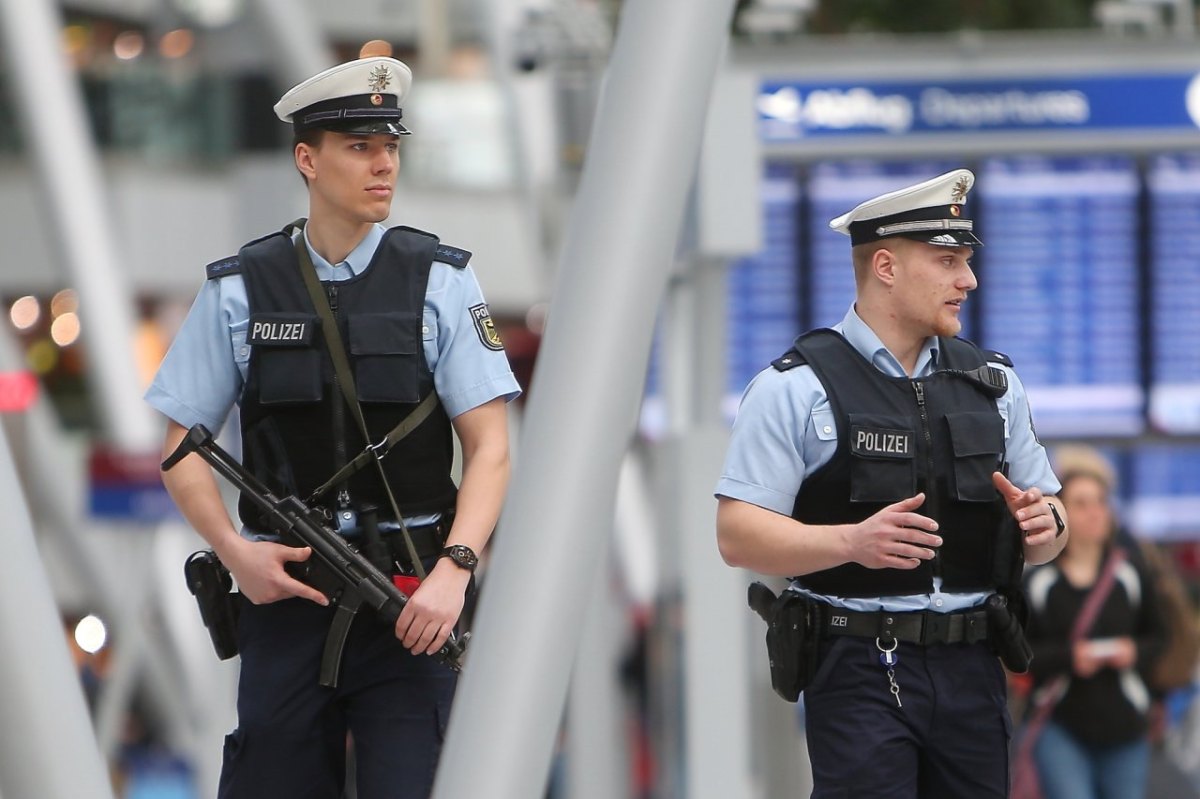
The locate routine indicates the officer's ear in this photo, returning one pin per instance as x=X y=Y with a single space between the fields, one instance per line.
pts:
x=883 y=264
x=304 y=161
x=303 y=148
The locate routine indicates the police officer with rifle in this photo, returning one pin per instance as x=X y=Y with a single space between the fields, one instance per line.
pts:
x=891 y=470
x=354 y=353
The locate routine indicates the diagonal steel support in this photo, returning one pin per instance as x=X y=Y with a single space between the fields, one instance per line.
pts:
x=582 y=411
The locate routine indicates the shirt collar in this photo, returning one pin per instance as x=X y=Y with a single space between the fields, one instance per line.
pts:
x=867 y=343
x=358 y=259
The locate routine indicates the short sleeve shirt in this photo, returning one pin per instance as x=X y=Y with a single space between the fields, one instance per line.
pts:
x=785 y=430
x=203 y=374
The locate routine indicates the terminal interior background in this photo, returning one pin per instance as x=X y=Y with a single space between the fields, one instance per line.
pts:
x=1088 y=199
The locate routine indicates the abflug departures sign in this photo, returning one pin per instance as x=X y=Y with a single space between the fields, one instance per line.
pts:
x=793 y=111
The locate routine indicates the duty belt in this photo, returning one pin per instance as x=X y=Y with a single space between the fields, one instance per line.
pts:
x=428 y=539
x=921 y=627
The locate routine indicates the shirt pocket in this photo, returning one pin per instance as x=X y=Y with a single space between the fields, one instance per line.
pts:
x=978 y=441
x=882 y=462
x=385 y=348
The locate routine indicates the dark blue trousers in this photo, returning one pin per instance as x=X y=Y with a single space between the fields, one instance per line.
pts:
x=949 y=739
x=291 y=737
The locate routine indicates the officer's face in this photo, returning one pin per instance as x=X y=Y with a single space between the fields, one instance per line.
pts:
x=351 y=176
x=931 y=285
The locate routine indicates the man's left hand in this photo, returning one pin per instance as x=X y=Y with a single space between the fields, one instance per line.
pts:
x=432 y=611
x=1031 y=510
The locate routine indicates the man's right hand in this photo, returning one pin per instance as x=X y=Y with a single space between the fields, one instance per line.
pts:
x=258 y=568
x=895 y=537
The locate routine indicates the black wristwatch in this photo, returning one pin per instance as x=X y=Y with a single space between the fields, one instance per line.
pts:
x=463 y=556
x=1058 y=522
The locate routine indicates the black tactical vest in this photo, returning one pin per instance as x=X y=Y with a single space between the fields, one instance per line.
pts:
x=940 y=434
x=296 y=428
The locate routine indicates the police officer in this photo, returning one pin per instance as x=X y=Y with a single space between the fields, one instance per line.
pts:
x=412 y=324
x=873 y=464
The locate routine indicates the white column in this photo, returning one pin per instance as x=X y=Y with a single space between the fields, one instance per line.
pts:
x=58 y=138
x=48 y=748
x=581 y=414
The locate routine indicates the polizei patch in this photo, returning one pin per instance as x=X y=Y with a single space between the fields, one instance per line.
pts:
x=874 y=442
x=485 y=327
x=281 y=330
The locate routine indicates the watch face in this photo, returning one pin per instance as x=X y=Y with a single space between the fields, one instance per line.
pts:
x=462 y=555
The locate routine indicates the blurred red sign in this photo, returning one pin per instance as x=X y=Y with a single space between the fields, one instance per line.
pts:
x=18 y=391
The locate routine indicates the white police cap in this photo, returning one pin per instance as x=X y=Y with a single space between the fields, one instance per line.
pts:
x=931 y=212
x=361 y=96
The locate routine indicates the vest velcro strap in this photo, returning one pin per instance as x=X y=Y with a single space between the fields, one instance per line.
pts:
x=921 y=627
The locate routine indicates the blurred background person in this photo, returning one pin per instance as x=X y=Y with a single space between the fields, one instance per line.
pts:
x=1097 y=630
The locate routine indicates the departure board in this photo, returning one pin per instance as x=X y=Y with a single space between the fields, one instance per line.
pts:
x=833 y=189
x=1059 y=287
x=763 y=289
x=1165 y=491
x=1174 y=322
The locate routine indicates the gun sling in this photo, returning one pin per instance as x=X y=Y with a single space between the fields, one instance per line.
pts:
x=341 y=367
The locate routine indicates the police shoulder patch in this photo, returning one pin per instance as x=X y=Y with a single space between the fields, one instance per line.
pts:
x=452 y=255
x=998 y=357
x=485 y=327
x=223 y=267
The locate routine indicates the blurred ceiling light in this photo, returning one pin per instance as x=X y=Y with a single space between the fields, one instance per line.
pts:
x=65 y=301
x=90 y=634
x=176 y=43
x=65 y=329
x=128 y=45
x=25 y=312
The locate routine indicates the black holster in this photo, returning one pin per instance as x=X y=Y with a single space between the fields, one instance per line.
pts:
x=1007 y=635
x=793 y=637
x=211 y=584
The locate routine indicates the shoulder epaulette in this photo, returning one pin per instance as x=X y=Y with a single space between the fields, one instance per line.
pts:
x=789 y=360
x=998 y=357
x=223 y=267
x=452 y=255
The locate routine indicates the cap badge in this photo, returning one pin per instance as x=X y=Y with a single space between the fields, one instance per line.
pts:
x=959 y=193
x=376 y=99
x=379 y=78
x=955 y=210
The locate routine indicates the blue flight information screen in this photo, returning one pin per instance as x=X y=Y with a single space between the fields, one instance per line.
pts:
x=1165 y=491
x=833 y=189
x=764 y=289
x=1174 y=188
x=1059 y=287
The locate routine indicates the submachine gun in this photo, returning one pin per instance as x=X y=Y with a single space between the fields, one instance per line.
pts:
x=339 y=571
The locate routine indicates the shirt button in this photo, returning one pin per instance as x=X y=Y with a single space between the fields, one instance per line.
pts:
x=245 y=350
x=937 y=602
x=827 y=429
x=424 y=328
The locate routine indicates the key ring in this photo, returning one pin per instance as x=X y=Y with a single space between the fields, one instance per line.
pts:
x=879 y=646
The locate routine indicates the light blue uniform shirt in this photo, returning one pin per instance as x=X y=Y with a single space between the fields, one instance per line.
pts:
x=785 y=430
x=204 y=371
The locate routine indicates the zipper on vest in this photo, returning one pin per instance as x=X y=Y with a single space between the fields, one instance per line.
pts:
x=336 y=400
x=931 y=498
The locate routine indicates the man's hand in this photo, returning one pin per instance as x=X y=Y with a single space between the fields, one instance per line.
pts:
x=1030 y=509
x=258 y=568
x=432 y=611
x=895 y=537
